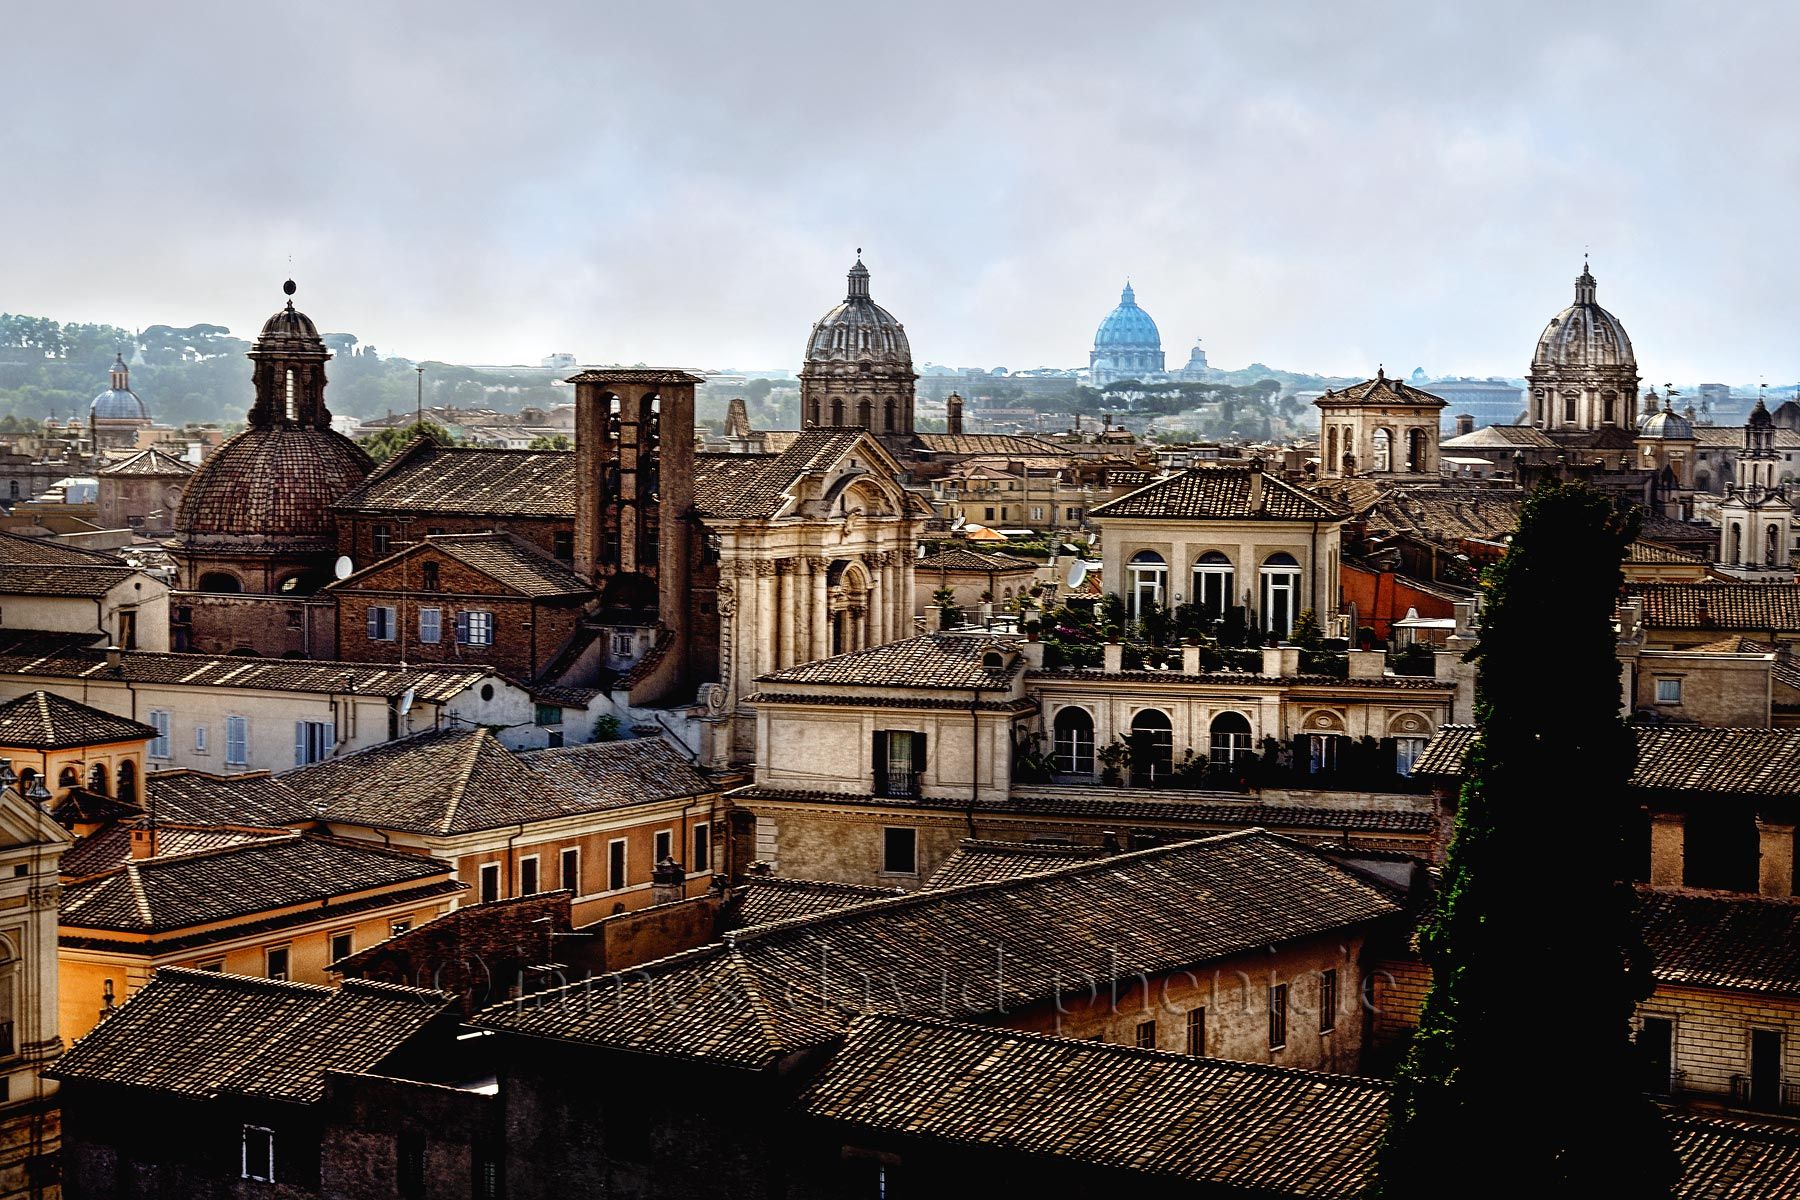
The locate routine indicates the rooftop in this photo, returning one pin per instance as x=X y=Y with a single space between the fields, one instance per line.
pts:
x=1758 y=607
x=767 y=898
x=932 y=660
x=1713 y=940
x=979 y=861
x=428 y=478
x=1754 y=763
x=1220 y=494
x=203 y=1034
x=961 y=559
x=503 y=557
x=46 y=721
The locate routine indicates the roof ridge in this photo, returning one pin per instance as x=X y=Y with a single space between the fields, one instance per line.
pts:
x=460 y=783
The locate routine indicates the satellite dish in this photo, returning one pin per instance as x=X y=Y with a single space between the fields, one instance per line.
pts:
x=344 y=567
x=406 y=701
x=1077 y=572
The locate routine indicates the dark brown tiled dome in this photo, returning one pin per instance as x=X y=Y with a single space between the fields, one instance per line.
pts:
x=278 y=483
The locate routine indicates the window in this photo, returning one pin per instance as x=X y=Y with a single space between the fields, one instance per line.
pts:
x=549 y=714
x=899 y=851
x=199 y=739
x=571 y=870
x=159 y=745
x=1569 y=406
x=431 y=626
x=475 y=628
x=1146 y=1035
x=259 y=1143
x=562 y=544
x=381 y=623
x=1146 y=579
x=1152 y=747
x=381 y=538
x=665 y=844
x=434 y=531
x=1280 y=593
x=615 y=865
x=343 y=945
x=1230 y=738
x=128 y=630
x=1406 y=754
x=128 y=781
x=313 y=741
x=409 y=1166
x=528 y=876
x=1037 y=512
x=396 y=928
x=97 y=782
x=428 y=577
x=621 y=645
x=1212 y=584
x=68 y=777
x=1074 y=729
x=1668 y=691
x=486 y=1173
x=217 y=964
x=490 y=882
x=1278 y=1016
x=1196 y=1032
x=275 y=962
x=702 y=860
x=899 y=756
x=1322 y=753
x=1328 y=1000
x=989 y=516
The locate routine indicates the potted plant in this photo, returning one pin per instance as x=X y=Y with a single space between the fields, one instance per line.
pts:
x=1032 y=629
x=1112 y=757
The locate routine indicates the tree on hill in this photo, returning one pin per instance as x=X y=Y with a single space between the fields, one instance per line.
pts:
x=1522 y=1079
x=385 y=444
x=554 y=441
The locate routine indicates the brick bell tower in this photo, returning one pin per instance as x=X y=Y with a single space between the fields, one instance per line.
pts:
x=634 y=504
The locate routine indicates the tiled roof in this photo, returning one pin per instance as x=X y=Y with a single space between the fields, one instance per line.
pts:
x=1500 y=437
x=197 y=798
x=179 y=891
x=1731 y=437
x=111 y=847
x=959 y=559
x=934 y=660
x=1641 y=551
x=46 y=721
x=766 y=898
x=1447 y=514
x=149 y=462
x=1244 y=1128
x=19 y=579
x=452 y=781
x=204 y=1034
x=634 y=375
x=739 y=491
x=1745 y=943
x=16 y=550
x=429 y=478
x=1400 y=682
x=985 y=443
x=509 y=560
x=52 y=657
x=1025 y=704
x=602 y=775
x=1219 y=494
x=272 y=483
x=980 y=861
x=1786 y=669
x=1380 y=391
x=1773 y=607
x=1735 y=1160
x=1148 y=911
x=1757 y=763
x=1193 y=810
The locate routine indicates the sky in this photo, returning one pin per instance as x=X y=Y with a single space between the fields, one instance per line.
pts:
x=1317 y=186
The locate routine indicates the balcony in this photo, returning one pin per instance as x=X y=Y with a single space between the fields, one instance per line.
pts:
x=897 y=783
x=1775 y=1097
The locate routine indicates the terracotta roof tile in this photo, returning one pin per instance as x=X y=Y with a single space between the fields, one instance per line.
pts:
x=1756 y=763
x=428 y=478
x=960 y=559
x=1755 y=607
x=934 y=660
x=47 y=721
x=985 y=443
x=1219 y=494
x=1745 y=943
x=72 y=579
x=52 y=657
x=723 y=488
x=204 y=1034
x=1380 y=391
x=150 y=462
x=766 y=898
x=980 y=861
x=16 y=550
x=505 y=558
x=111 y=847
x=602 y=775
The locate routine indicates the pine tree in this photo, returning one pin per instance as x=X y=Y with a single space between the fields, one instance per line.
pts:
x=1522 y=1079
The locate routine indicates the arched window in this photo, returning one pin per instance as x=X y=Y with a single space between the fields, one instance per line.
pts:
x=1569 y=407
x=25 y=778
x=887 y=417
x=1074 y=741
x=1415 y=451
x=863 y=413
x=69 y=778
x=1213 y=580
x=128 y=781
x=220 y=581
x=1771 y=545
x=1152 y=747
x=1735 y=550
x=837 y=410
x=1280 y=593
x=1383 y=449
x=97 y=778
x=1147 y=579
x=1331 y=455
x=1230 y=738
x=1607 y=400
x=291 y=407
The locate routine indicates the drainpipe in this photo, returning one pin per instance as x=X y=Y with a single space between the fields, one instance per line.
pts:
x=510 y=871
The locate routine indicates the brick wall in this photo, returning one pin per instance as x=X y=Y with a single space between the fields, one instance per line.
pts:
x=1712 y=1033
x=1397 y=992
x=647 y=934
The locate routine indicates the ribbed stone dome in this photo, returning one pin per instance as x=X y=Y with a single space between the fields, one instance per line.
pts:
x=859 y=330
x=278 y=483
x=1583 y=335
x=1128 y=327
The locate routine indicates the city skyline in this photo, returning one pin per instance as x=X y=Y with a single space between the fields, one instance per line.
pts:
x=1310 y=189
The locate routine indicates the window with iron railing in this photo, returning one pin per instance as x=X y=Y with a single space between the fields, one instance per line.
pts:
x=898 y=760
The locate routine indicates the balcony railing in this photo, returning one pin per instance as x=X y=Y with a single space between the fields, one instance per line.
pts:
x=897 y=783
x=1782 y=1096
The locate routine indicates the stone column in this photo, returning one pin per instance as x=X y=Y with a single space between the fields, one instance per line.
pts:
x=877 y=598
x=786 y=610
x=821 y=608
x=743 y=627
x=1668 y=838
x=801 y=592
x=765 y=617
x=1775 y=877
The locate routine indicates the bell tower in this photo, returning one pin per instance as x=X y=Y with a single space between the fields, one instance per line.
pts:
x=289 y=374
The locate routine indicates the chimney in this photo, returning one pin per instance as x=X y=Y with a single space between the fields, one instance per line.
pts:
x=668 y=882
x=115 y=658
x=143 y=839
x=1256 y=485
x=1465 y=423
x=953 y=421
x=1034 y=655
x=1115 y=657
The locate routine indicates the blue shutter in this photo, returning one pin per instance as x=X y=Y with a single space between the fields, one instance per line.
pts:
x=374 y=624
x=299 y=743
x=462 y=627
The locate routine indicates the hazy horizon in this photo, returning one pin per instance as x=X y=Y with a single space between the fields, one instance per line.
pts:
x=1312 y=187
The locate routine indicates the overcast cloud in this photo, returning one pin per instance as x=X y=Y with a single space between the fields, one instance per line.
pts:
x=1319 y=186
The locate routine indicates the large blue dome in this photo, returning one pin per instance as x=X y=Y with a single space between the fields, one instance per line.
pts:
x=119 y=402
x=1128 y=327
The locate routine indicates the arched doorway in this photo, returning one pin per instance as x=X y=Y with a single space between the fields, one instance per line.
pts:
x=1213 y=584
x=1230 y=739
x=1148 y=581
x=1152 y=747
x=1280 y=593
x=222 y=582
x=1074 y=741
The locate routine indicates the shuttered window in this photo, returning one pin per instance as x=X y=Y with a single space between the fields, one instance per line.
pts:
x=431 y=625
x=237 y=741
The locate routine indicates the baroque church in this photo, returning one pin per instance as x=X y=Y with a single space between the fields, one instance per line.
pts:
x=633 y=576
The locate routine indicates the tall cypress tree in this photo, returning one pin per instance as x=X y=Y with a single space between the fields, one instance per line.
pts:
x=1522 y=1079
